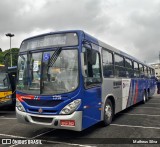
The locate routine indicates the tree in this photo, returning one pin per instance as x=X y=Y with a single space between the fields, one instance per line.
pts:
x=6 y=55
x=1 y=58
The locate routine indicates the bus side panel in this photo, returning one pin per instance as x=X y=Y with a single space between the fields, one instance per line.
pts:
x=137 y=87
x=133 y=92
x=126 y=88
x=112 y=87
x=91 y=107
x=126 y=92
x=152 y=86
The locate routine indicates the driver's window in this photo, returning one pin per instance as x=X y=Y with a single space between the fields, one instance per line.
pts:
x=4 y=81
x=92 y=70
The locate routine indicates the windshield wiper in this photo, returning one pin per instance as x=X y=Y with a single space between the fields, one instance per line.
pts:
x=54 y=57
x=22 y=57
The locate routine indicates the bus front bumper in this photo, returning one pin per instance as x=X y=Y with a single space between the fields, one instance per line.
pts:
x=69 y=122
x=5 y=102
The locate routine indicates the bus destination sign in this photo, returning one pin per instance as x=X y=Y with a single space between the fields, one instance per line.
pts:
x=53 y=40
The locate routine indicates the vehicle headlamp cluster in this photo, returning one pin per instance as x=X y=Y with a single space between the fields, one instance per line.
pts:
x=71 y=107
x=9 y=96
x=19 y=106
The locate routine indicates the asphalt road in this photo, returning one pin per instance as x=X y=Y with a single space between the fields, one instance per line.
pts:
x=140 y=122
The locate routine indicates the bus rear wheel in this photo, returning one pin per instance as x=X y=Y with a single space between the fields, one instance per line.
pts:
x=108 y=113
x=147 y=95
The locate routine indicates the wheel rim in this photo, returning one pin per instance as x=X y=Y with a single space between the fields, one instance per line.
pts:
x=108 y=111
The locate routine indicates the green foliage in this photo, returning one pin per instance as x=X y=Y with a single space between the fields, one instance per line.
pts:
x=5 y=56
x=1 y=57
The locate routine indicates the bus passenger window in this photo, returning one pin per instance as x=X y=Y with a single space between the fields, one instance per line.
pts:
x=146 y=73
x=136 y=70
x=119 y=66
x=107 y=64
x=149 y=72
x=141 y=69
x=129 y=68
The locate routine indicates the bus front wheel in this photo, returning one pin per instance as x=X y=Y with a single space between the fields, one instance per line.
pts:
x=108 y=113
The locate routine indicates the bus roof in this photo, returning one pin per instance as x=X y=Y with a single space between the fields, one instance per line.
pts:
x=51 y=33
x=94 y=40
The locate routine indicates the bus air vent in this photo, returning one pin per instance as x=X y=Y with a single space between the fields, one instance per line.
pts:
x=41 y=119
x=42 y=103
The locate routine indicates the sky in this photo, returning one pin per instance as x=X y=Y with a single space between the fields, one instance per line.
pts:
x=132 y=26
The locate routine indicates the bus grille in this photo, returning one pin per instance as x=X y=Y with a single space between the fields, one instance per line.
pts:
x=42 y=103
x=42 y=119
x=31 y=110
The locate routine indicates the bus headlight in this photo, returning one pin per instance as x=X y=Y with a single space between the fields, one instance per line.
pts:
x=9 y=96
x=19 y=106
x=71 y=107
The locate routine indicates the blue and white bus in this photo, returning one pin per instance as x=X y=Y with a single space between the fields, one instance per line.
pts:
x=71 y=80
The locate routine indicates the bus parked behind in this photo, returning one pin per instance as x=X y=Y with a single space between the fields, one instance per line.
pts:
x=7 y=86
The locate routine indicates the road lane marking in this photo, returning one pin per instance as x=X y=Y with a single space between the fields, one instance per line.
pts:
x=7 y=118
x=153 y=103
x=43 y=133
x=147 y=107
x=8 y=112
x=139 y=114
x=131 y=126
x=58 y=141
x=13 y=136
x=155 y=98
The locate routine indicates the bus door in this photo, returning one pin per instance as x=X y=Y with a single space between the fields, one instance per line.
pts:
x=12 y=78
x=91 y=71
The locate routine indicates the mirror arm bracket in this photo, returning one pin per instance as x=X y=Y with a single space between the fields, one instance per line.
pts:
x=87 y=43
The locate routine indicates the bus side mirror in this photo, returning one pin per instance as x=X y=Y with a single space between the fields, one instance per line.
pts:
x=83 y=66
x=91 y=54
x=92 y=57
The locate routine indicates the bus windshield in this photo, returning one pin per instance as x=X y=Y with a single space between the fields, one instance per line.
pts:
x=4 y=82
x=48 y=73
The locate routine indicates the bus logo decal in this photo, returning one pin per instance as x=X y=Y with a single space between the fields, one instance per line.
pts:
x=40 y=110
x=36 y=98
x=57 y=97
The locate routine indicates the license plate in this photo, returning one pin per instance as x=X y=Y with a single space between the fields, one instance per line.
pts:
x=70 y=123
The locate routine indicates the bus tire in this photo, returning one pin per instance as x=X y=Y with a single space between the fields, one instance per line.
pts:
x=144 y=97
x=147 y=95
x=108 y=113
